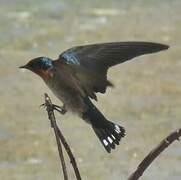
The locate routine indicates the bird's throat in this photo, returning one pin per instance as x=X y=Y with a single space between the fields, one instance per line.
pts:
x=44 y=74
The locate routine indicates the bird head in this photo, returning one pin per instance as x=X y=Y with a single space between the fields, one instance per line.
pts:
x=40 y=66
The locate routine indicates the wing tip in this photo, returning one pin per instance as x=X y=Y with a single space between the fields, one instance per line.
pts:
x=152 y=47
x=164 y=46
x=155 y=46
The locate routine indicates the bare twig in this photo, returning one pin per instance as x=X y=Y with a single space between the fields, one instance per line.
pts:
x=70 y=154
x=154 y=154
x=59 y=135
x=51 y=116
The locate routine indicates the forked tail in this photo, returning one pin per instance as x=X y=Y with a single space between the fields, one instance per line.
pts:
x=108 y=132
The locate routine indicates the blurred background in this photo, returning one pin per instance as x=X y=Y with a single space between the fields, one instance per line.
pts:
x=145 y=100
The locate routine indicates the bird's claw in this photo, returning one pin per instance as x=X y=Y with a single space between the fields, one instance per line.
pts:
x=42 y=105
x=60 y=109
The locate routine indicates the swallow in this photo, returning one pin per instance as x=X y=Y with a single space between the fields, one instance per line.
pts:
x=79 y=73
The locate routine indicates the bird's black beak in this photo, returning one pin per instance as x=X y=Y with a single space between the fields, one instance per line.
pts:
x=23 y=67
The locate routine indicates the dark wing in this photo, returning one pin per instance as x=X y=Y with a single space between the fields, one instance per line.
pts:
x=97 y=58
x=100 y=57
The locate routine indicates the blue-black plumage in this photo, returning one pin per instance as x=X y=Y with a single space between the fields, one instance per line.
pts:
x=81 y=72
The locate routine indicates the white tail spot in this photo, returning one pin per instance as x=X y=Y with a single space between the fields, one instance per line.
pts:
x=113 y=136
x=109 y=139
x=117 y=129
x=105 y=142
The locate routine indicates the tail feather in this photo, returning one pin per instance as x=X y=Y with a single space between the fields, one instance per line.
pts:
x=109 y=135
x=108 y=132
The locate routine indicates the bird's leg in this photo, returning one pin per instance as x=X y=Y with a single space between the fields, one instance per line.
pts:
x=60 y=109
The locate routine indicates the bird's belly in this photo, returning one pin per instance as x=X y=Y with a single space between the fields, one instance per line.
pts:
x=72 y=101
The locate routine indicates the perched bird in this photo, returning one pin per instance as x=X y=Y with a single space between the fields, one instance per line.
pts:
x=81 y=72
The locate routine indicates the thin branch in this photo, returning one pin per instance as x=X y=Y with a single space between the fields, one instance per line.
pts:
x=70 y=154
x=51 y=116
x=59 y=134
x=154 y=154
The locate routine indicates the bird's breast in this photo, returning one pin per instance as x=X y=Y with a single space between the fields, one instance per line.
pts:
x=67 y=94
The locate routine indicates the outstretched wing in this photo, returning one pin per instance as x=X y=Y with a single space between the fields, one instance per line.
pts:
x=95 y=59
x=99 y=57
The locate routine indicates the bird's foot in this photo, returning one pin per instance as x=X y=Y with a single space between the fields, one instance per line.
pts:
x=61 y=109
x=43 y=105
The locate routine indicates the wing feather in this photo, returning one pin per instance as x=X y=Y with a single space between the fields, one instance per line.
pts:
x=95 y=59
